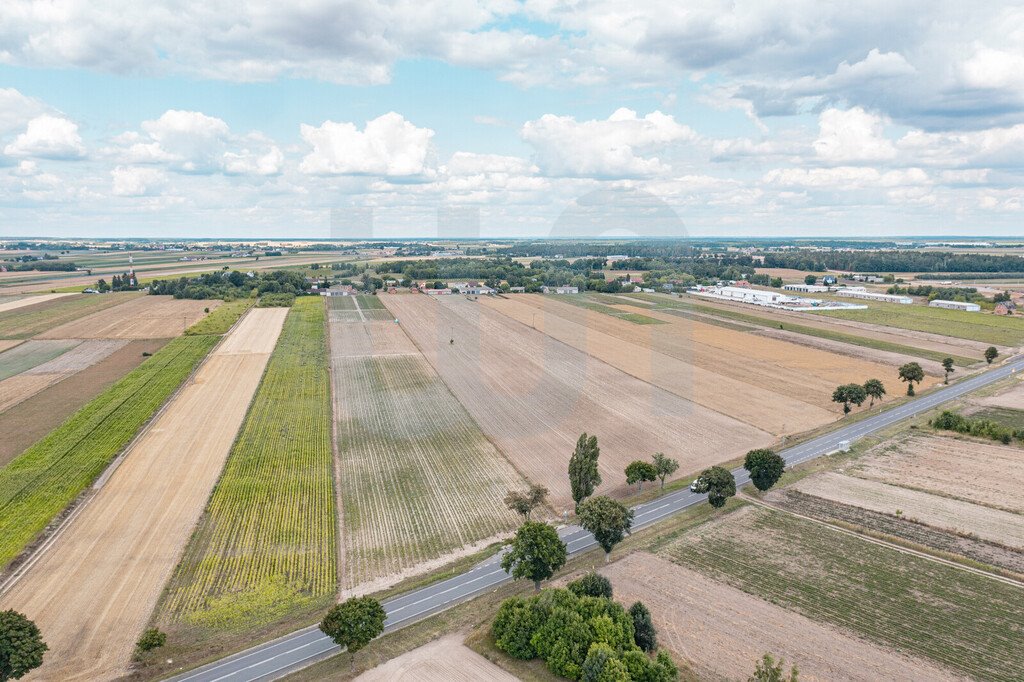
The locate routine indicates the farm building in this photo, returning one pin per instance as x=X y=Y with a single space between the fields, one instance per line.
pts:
x=856 y=292
x=517 y=290
x=436 y=292
x=616 y=259
x=955 y=305
x=560 y=290
x=806 y=288
x=338 y=290
x=871 y=279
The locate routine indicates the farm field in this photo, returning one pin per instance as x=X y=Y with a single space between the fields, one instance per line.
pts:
x=994 y=525
x=927 y=345
x=15 y=302
x=267 y=542
x=27 y=322
x=983 y=473
x=967 y=623
x=221 y=318
x=32 y=353
x=357 y=309
x=33 y=418
x=7 y=344
x=725 y=642
x=42 y=481
x=147 y=317
x=443 y=659
x=533 y=396
x=29 y=382
x=94 y=589
x=776 y=384
x=1010 y=399
x=417 y=479
x=1006 y=331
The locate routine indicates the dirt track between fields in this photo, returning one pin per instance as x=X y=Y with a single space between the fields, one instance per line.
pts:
x=725 y=631
x=533 y=396
x=92 y=592
x=443 y=659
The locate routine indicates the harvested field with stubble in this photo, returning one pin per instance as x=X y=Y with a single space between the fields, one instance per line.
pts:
x=443 y=659
x=81 y=356
x=31 y=419
x=533 y=396
x=726 y=641
x=965 y=622
x=146 y=317
x=7 y=344
x=417 y=479
x=989 y=524
x=93 y=590
x=29 y=321
x=15 y=302
x=771 y=385
x=963 y=468
x=266 y=544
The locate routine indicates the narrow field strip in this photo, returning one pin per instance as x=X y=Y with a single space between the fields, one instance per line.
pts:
x=44 y=479
x=30 y=382
x=1001 y=330
x=267 y=541
x=418 y=478
x=32 y=354
x=92 y=591
x=963 y=621
x=15 y=302
x=26 y=322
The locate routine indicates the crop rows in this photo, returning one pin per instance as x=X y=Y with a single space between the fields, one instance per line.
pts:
x=267 y=541
x=22 y=323
x=418 y=478
x=221 y=319
x=967 y=622
x=43 y=480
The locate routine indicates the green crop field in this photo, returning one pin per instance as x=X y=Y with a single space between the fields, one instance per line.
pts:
x=22 y=323
x=221 y=319
x=418 y=478
x=964 y=621
x=995 y=329
x=267 y=543
x=42 y=481
x=687 y=307
x=31 y=354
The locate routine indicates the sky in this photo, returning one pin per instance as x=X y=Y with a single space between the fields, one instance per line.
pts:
x=534 y=118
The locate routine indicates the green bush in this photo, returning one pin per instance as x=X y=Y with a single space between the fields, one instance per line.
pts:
x=981 y=428
x=591 y=585
x=577 y=636
x=151 y=639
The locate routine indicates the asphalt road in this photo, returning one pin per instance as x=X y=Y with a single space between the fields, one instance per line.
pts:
x=273 y=660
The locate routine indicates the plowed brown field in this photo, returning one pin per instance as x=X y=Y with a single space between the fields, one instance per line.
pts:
x=145 y=317
x=533 y=396
x=727 y=640
x=979 y=472
x=92 y=591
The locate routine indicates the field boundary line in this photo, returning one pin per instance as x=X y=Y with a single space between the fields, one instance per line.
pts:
x=884 y=543
x=79 y=504
x=339 y=511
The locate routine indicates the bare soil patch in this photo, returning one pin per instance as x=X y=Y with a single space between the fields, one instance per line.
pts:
x=93 y=590
x=145 y=317
x=961 y=517
x=963 y=468
x=6 y=344
x=728 y=639
x=1012 y=398
x=443 y=659
x=533 y=396
x=29 y=420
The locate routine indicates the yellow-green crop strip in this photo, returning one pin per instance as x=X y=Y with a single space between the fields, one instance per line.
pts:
x=267 y=543
x=42 y=481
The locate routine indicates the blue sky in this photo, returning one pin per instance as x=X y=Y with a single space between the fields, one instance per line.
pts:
x=743 y=118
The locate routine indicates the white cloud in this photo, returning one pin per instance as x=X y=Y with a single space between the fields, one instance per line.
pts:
x=845 y=177
x=389 y=145
x=17 y=109
x=134 y=181
x=852 y=135
x=48 y=137
x=249 y=163
x=994 y=69
x=610 y=148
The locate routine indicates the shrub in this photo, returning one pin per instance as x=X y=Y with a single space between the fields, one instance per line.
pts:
x=591 y=585
x=151 y=639
x=643 y=627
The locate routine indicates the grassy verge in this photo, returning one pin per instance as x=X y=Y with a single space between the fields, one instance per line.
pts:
x=267 y=543
x=963 y=621
x=42 y=481
x=996 y=329
x=221 y=319
x=829 y=334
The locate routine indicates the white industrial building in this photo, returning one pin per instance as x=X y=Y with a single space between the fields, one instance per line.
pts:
x=771 y=299
x=857 y=292
x=955 y=305
x=806 y=288
x=560 y=290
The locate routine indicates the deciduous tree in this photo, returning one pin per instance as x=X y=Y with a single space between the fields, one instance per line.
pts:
x=21 y=646
x=665 y=466
x=991 y=353
x=524 y=503
x=608 y=520
x=644 y=633
x=536 y=553
x=911 y=373
x=592 y=584
x=583 y=474
x=875 y=389
x=354 y=623
x=947 y=365
x=849 y=393
x=767 y=670
x=765 y=467
x=639 y=471
x=718 y=483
